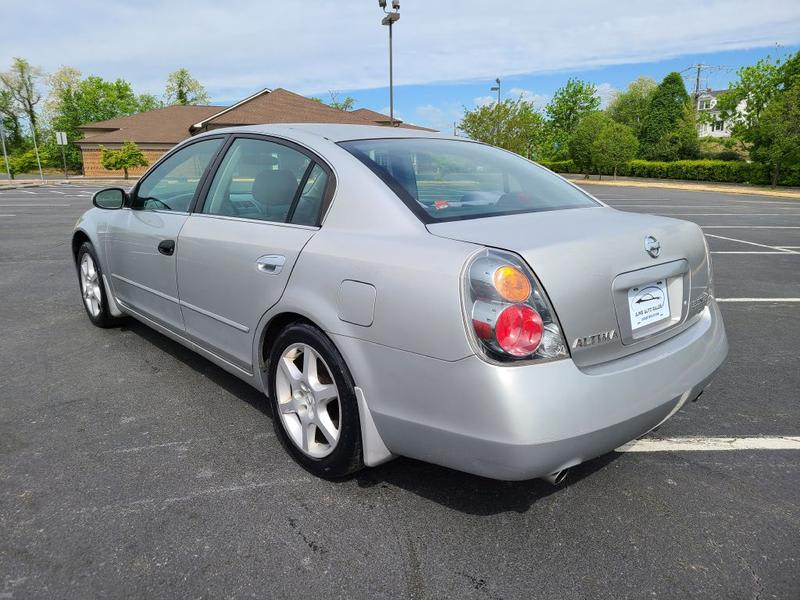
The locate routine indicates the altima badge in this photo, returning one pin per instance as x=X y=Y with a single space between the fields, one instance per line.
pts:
x=652 y=246
x=593 y=340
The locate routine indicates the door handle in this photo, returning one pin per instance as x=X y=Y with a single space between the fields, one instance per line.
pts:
x=166 y=247
x=271 y=263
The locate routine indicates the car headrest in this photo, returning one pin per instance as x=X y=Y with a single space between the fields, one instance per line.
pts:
x=274 y=188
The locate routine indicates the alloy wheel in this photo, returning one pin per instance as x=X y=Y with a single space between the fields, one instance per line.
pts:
x=308 y=400
x=90 y=286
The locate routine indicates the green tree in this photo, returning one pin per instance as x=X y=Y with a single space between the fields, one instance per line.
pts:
x=581 y=142
x=565 y=110
x=88 y=100
x=127 y=157
x=148 y=102
x=184 y=89
x=630 y=107
x=511 y=124
x=777 y=137
x=22 y=83
x=756 y=85
x=346 y=105
x=9 y=120
x=615 y=145
x=668 y=130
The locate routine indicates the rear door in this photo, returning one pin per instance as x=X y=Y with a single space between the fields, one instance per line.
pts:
x=142 y=244
x=237 y=249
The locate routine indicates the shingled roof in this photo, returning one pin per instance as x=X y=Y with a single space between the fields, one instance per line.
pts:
x=168 y=125
x=173 y=124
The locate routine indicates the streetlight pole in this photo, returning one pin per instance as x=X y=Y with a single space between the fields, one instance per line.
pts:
x=5 y=154
x=389 y=20
x=496 y=88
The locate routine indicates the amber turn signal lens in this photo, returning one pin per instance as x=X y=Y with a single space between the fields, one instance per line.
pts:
x=511 y=284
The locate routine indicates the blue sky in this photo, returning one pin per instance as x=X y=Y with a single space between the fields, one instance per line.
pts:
x=439 y=105
x=446 y=53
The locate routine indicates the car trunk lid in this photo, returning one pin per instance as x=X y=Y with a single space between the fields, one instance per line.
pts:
x=596 y=271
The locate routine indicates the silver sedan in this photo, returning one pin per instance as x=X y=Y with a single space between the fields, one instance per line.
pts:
x=401 y=293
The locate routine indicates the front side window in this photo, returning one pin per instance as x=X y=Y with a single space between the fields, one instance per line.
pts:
x=172 y=184
x=445 y=180
x=259 y=179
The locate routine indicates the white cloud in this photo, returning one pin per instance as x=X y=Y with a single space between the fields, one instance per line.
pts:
x=239 y=46
x=606 y=91
x=485 y=100
x=441 y=118
x=539 y=100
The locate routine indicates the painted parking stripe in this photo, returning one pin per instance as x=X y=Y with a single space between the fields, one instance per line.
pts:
x=757 y=299
x=730 y=239
x=711 y=444
x=8 y=215
x=750 y=226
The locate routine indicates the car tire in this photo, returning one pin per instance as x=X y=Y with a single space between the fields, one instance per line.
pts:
x=93 y=291
x=314 y=407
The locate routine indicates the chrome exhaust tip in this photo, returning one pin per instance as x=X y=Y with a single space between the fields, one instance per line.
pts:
x=556 y=478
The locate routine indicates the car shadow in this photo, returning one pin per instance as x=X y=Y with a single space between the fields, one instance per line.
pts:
x=230 y=383
x=472 y=494
x=469 y=494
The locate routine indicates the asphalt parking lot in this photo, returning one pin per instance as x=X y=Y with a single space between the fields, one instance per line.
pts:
x=131 y=467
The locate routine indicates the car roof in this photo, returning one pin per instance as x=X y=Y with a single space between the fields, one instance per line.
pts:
x=334 y=132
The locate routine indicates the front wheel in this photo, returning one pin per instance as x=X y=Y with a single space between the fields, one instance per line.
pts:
x=315 y=413
x=93 y=292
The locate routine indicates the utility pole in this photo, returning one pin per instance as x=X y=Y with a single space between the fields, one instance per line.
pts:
x=389 y=20
x=5 y=154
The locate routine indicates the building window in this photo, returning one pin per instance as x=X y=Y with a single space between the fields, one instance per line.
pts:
x=705 y=104
x=718 y=126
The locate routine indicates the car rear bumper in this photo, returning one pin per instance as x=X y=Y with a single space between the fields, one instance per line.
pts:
x=527 y=421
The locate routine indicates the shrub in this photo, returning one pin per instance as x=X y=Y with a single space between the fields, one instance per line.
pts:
x=692 y=170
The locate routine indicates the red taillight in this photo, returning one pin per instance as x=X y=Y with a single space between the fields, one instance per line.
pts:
x=519 y=330
x=508 y=316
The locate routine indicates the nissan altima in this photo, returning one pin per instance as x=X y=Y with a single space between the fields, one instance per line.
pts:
x=396 y=292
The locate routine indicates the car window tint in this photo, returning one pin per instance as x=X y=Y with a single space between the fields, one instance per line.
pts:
x=452 y=179
x=257 y=179
x=308 y=206
x=172 y=184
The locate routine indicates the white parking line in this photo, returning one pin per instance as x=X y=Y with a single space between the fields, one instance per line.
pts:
x=728 y=215
x=32 y=204
x=750 y=226
x=757 y=299
x=730 y=239
x=711 y=444
x=8 y=215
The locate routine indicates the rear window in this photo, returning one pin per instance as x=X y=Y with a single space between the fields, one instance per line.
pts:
x=446 y=180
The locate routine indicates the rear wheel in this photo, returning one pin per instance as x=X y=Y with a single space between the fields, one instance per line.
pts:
x=313 y=402
x=93 y=291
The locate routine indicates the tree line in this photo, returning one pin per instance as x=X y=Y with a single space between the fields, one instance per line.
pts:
x=656 y=123
x=34 y=105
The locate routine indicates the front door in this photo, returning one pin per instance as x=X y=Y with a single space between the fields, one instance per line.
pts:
x=142 y=243
x=237 y=250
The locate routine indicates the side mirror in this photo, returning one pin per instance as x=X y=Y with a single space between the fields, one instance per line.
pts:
x=110 y=198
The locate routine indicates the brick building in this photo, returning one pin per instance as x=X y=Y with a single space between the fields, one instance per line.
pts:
x=156 y=131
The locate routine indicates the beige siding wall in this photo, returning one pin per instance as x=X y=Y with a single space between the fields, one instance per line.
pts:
x=93 y=168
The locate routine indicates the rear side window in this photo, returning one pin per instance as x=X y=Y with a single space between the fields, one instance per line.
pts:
x=257 y=179
x=445 y=180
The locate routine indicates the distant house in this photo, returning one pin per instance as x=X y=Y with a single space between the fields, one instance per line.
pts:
x=157 y=131
x=713 y=125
